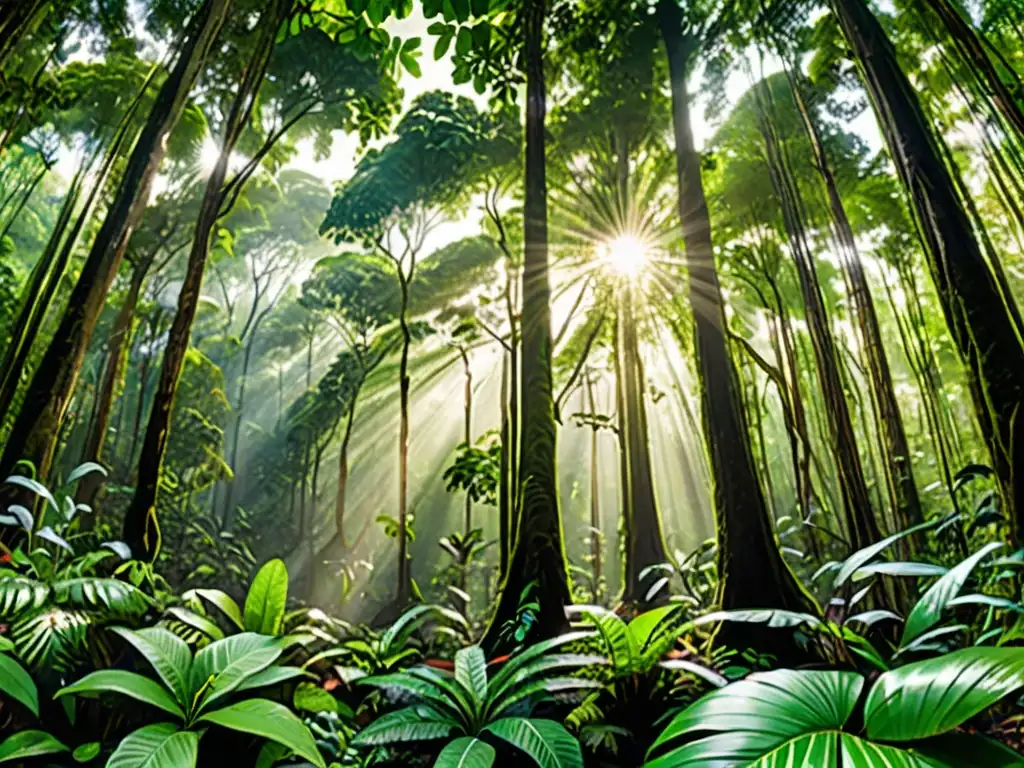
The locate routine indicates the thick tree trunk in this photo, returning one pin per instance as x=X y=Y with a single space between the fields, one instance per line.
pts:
x=539 y=548
x=752 y=573
x=35 y=431
x=117 y=345
x=504 y=483
x=141 y=527
x=645 y=544
x=979 y=320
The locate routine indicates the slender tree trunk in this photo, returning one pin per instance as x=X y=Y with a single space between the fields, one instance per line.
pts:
x=339 y=501
x=404 y=586
x=752 y=573
x=467 y=401
x=16 y=20
x=34 y=433
x=117 y=345
x=645 y=544
x=971 y=46
x=595 y=490
x=539 y=549
x=860 y=519
x=980 y=322
x=141 y=527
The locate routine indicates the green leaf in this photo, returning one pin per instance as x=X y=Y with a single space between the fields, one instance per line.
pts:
x=194 y=620
x=270 y=720
x=35 y=486
x=224 y=603
x=271 y=753
x=464 y=41
x=416 y=723
x=933 y=696
x=25 y=744
x=265 y=603
x=412 y=66
x=865 y=555
x=85 y=753
x=271 y=676
x=310 y=697
x=21 y=594
x=466 y=752
x=547 y=742
x=160 y=745
x=230 y=662
x=759 y=714
x=16 y=683
x=471 y=673
x=858 y=753
x=928 y=610
x=169 y=656
x=441 y=46
x=128 y=684
x=84 y=469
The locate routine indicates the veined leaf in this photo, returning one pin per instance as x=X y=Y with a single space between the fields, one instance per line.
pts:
x=466 y=752
x=547 y=742
x=416 y=723
x=471 y=673
x=127 y=684
x=265 y=603
x=270 y=720
x=160 y=745
x=26 y=744
x=230 y=662
x=169 y=656
x=16 y=683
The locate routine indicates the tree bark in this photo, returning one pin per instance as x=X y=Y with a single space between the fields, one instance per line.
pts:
x=404 y=585
x=117 y=345
x=538 y=552
x=16 y=19
x=645 y=544
x=35 y=431
x=141 y=526
x=752 y=573
x=339 y=500
x=980 y=322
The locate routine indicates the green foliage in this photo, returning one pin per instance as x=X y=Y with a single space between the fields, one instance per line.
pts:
x=476 y=702
x=189 y=686
x=789 y=716
x=476 y=470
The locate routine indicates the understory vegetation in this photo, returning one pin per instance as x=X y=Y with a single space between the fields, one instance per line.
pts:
x=472 y=383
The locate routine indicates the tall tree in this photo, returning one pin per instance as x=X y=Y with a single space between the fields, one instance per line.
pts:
x=751 y=570
x=35 y=431
x=983 y=321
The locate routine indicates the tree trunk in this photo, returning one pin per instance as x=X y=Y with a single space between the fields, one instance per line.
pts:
x=504 y=484
x=16 y=19
x=539 y=549
x=645 y=544
x=971 y=46
x=752 y=573
x=34 y=433
x=860 y=519
x=404 y=586
x=979 y=320
x=141 y=527
x=897 y=458
x=117 y=345
x=339 y=501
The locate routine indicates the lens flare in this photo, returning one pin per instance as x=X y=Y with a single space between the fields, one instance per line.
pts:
x=625 y=255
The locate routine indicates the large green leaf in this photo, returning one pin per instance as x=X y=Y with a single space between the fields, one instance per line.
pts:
x=933 y=696
x=525 y=658
x=224 y=602
x=273 y=721
x=16 y=683
x=759 y=714
x=272 y=676
x=471 y=673
x=865 y=555
x=192 y=619
x=858 y=753
x=647 y=629
x=429 y=689
x=620 y=643
x=25 y=744
x=160 y=745
x=929 y=608
x=169 y=656
x=265 y=603
x=466 y=752
x=547 y=742
x=227 y=663
x=127 y=684
x=416 y=723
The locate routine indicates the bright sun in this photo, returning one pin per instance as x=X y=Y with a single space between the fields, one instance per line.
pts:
x=624 y=255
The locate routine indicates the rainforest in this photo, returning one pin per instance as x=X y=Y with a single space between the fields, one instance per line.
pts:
x=512 y=383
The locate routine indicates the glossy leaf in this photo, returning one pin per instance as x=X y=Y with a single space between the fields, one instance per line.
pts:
x=17 y=684
x=127 y=684
x=466 y=752
x=169 y=656
x=265 y=603
x=415 y=723
x=548 y=743
x=227 y=663
x=26 y=744
x=160 y=745
x=270 y=720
